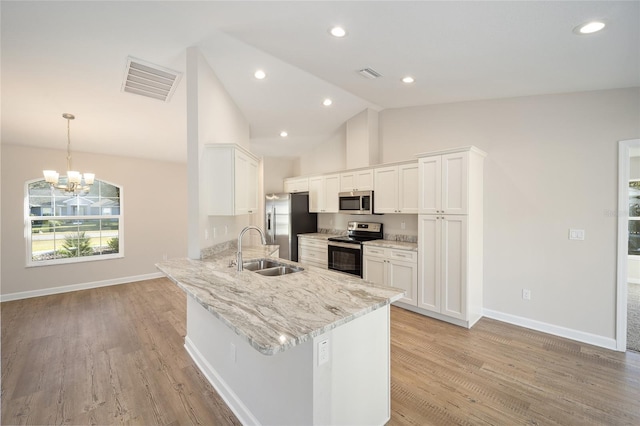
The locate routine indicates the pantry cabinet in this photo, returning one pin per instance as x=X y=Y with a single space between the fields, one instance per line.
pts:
x=323 y=193
x=450 y=235
x=396 y=189
x=230 y=180
x=392 y=267
x=356 y=180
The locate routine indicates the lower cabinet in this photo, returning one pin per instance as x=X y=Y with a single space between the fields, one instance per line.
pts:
x=313 y=251
x=392 y=267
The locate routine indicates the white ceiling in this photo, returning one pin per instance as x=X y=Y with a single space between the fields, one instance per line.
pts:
x=70 y=57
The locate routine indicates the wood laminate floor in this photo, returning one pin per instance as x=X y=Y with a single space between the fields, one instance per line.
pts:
x=114 y=355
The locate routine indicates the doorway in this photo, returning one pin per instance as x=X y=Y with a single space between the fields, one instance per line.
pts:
x=627 y=316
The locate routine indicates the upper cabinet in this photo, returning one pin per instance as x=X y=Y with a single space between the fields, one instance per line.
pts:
x=444 y=184
x=296 y=184
x=396 y=189
x=323 y=193
x=356 y=180
x=230 y=179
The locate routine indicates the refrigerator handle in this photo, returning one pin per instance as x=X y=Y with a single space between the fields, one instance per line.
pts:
x=273 y=227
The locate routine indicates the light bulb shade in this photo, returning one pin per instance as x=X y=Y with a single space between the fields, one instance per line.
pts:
x=74 y=177
x=89 y=178
x=50 y=176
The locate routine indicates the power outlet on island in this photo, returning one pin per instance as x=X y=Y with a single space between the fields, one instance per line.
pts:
x=323 y=351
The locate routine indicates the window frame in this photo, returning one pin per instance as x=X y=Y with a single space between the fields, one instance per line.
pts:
x=70 y=260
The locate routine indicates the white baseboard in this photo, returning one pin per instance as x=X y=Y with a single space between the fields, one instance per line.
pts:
x=76 y=287
x=579 y=336
x=233 y=402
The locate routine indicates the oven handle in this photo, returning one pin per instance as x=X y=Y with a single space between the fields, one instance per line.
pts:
x=345 y=245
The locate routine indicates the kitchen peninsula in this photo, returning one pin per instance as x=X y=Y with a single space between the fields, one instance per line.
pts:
x=306 y=348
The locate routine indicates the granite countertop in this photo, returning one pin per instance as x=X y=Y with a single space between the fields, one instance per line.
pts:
x=275 y=313
x=318 y=235
x=403 y=245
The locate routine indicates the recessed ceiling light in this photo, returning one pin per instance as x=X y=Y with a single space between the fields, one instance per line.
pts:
x=259 y=74
x=327 y=102
x=589 y=27
x=284 y=134
x=408 y=79
x=338 y=32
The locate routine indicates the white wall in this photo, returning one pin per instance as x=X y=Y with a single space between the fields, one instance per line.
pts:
x=154 y=207
x=213 y=117
x=328 y=156
x=276 y=169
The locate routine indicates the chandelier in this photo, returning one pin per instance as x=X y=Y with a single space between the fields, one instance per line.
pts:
x=77 y=182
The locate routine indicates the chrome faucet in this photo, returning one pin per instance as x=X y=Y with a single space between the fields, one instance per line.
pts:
x=246 y=228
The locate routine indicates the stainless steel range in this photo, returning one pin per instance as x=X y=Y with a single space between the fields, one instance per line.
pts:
x=345 y=253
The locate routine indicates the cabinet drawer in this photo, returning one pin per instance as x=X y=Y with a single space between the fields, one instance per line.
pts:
x=406 y=255
x=312 y=243
x=313 y=254
x=374 y=251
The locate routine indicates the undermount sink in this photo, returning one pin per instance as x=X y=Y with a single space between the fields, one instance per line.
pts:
x=270 y=268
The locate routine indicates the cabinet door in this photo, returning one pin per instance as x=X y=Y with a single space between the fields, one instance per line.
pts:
x=364 y=180
x=408 y=188
x=331 y=191
x=430 y=186
x=454 y=183
x=373 y=269
x=315 y=194
x=386 y=190
x=252 y=189
x=453 y=273
x=430 y=242
x=348 y=182
x=241 y=174
x=404 y=275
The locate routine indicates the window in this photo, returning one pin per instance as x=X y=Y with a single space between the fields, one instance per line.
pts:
x=634 y=217
x=67 y=228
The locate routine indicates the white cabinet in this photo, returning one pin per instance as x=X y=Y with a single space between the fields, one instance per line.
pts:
x=444 y=184
x=356 y=180
x=230 y=180
x=392 y=267
x=313 y=251
x=323 y=193
x=396 y=189
x=450 y=230
x=296 y=184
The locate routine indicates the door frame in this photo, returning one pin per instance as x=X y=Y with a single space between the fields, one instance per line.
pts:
x=624 y=149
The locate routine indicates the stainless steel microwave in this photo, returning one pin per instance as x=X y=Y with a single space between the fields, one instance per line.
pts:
x=356 y=202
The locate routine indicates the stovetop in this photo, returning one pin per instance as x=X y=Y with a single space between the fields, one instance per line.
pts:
x=358 y=232
x=354 y=240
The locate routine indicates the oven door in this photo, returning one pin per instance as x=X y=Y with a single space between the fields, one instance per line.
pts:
x=345 y=257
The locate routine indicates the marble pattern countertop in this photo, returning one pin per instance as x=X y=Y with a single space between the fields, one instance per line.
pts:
x=318 y=235
x=276 y=313
x=403 y=245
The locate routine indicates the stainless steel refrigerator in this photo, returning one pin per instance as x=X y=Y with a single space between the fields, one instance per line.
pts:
x=286 y=216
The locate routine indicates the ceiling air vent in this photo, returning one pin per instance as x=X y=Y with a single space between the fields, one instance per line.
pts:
x=369 y=73
x=146 y=79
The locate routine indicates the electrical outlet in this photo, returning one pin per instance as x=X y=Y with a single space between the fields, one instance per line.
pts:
x=403 y=225
x=323 y=351
x=206 y=234
x=215 y=232
x=226 y=230
x=526 y=294
x=576 y=234
x=232 y=353
x=164 y=256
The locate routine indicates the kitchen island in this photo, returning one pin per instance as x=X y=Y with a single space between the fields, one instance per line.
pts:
x=307 y=348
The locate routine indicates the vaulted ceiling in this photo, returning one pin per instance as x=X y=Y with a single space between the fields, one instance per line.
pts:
x=70 y=57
